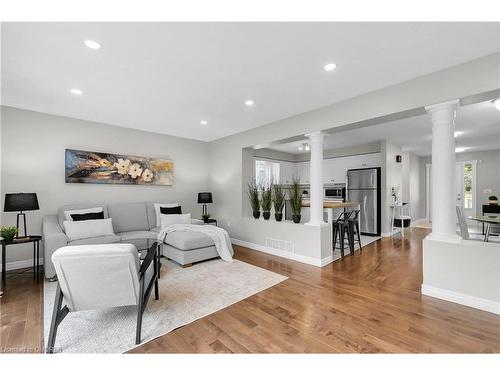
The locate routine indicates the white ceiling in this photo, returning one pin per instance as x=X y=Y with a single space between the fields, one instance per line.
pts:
x=479 y=125
x=167 y=77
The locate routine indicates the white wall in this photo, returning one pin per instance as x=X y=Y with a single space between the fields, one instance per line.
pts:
x=32 y=151
x=392 y=176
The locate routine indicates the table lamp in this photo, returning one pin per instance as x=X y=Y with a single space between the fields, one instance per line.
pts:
x=204 y=198
x=20 y=202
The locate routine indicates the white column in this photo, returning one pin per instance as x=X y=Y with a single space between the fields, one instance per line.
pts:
x=443 y=187
x=316 y=178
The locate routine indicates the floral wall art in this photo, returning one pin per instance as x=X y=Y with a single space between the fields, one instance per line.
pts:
x=104 y=168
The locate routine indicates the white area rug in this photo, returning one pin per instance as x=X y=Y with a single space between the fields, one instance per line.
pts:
x=186 y=294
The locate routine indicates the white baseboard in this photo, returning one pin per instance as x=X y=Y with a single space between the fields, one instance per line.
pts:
x=20 y=264
x=462 y=299
x=283 y=254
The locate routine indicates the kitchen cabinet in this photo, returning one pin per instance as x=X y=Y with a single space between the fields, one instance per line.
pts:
x=288 y=171
x=303 y=172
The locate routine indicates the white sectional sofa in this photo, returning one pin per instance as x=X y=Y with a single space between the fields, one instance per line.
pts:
x=132 y=223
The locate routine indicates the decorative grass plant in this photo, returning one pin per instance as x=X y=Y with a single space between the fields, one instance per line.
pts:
x=267 y=202
x=296 y=200
x=279 y=196
x=253 y=197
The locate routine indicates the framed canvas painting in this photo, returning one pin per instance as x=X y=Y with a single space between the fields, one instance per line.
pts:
x=104 y=168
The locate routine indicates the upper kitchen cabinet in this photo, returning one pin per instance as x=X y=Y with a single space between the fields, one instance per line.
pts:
x=303 y=172
x=335 y=169
x=288 y=171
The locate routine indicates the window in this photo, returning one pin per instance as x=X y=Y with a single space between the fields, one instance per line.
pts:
x=266 y=172
x=468 y=186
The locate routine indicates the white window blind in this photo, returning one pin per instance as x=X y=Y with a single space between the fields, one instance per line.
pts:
x=266 y=172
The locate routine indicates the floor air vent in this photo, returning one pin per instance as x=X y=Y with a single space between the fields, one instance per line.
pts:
x=280 y=245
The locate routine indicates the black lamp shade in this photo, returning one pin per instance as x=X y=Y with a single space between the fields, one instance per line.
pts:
x=205 y=198
x=20 y=202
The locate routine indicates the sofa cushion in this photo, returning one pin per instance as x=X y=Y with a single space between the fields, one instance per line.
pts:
x=138 y=235
x=95 y=240
x=70 y=207
x=188 y=240
x=76 y=230
x=153 y=210
x=129 y=216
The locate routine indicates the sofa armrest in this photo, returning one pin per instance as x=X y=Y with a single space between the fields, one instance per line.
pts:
x=196 y=221
x=53 y=239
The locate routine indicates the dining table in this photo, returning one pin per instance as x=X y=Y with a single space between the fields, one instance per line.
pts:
x=488 y=220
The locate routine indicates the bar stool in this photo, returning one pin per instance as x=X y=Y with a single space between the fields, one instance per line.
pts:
x=340 y=227
x=353 y=223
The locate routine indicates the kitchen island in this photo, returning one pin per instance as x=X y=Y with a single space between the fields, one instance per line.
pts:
x=332 y=207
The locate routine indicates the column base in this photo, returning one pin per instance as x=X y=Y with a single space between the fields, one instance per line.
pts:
x=316 y=223
x=444 y=237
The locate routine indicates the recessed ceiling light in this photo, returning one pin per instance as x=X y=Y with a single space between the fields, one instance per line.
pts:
x=249 y=102
x=76 y=91
x=497 y=103
x=301 y=147
x=92 y=44
x=329 y=67
x=458 y=133
x=307 y=148
x=460 y=149
x=203 y=122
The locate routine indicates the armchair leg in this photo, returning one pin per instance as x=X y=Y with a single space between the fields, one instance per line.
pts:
x=58 y=315
x=140 y=309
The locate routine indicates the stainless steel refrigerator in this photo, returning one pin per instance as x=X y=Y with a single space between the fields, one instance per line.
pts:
x=363 y=186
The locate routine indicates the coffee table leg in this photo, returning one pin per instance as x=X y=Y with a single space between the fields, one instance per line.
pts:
x=34 y=260
x=3 y=265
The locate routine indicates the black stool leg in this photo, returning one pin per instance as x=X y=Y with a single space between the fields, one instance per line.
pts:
x=334 y=226
x=342 y=239
x=359 y=237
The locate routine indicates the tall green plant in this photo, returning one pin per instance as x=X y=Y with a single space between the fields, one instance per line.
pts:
x=295 y=197
x=279 y=196
x=253 y=196
x=267 y=200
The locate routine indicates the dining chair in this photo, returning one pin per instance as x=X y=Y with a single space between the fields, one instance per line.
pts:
x=96 y=277
x=464 y=228
x=354 y=230
x=340 y=228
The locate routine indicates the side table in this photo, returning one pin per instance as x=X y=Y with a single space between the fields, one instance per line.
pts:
x=36 y=253
x=211 y=221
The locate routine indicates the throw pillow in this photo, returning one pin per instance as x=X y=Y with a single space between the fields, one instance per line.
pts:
x=171 y=210
x=67 y=214
x=88 y=216
x=167 y=220
x=76 y=230
x=157 y=210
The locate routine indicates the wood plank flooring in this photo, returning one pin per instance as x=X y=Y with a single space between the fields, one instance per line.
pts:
x=363 y=304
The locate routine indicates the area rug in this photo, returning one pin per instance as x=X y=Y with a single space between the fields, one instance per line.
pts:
x=186 y=294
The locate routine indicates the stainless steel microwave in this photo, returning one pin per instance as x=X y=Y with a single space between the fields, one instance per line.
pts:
x=335 y=193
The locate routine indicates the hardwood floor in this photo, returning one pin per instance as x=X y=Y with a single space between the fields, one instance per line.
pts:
x=21 y=314
x=368 y=303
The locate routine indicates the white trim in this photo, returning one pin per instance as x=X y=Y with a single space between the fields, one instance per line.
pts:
x=427 y=191
x=283 y=254
x=462 y=299
x=20 y=264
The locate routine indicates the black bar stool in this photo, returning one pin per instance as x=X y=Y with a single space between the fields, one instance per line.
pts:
x=340 y=227
x=353 y=224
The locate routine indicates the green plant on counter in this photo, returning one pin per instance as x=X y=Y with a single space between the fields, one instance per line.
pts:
x=253 y=197
x=205 y=217
x=267 y=200
x=296 y=200
x=8 y=233
x=279 y=196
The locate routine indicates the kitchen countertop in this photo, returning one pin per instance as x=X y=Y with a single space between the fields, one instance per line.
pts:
x=332 y=204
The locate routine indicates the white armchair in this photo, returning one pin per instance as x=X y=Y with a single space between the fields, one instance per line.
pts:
x=92 y=277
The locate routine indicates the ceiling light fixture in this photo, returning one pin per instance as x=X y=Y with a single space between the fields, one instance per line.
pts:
x=460 y=149
x=249 y=102
x=92 y=44
x=203 y=122
x=329 y=67
x=76 y=91
x=301 y=147
x=496 y=103
x=304 y=146
x=307 y=148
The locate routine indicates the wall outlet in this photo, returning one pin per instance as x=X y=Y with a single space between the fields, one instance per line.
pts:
x=487 y=191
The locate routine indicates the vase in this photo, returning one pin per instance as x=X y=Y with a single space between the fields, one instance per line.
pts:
x=266 y=215
x=256 y=214
x=296 y=218
x=278 y=216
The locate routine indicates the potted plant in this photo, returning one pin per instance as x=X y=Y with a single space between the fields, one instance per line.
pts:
x=8 y=233
x=493 y=200
x=205 y=217
x=267 y=202
x=296 y=200
x=279 y=195
x=253 y=196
